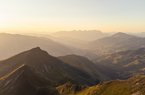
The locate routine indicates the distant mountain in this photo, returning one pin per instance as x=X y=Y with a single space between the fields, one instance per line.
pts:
x=11 y=44
x=95 y=70
x=46 y=66
x=131 y=61
x=140 y=34
x=117 y=42
x=77 y=38
x=82 y=35
x=132 y=86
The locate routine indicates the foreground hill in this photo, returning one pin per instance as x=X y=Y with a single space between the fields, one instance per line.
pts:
x=132 y=86
x=117 y=42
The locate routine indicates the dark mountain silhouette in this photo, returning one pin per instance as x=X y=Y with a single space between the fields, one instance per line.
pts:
x=47 y=66
x=35 y=72
x=117 y=42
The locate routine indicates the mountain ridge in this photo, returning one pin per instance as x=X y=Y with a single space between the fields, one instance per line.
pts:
x=116 y=42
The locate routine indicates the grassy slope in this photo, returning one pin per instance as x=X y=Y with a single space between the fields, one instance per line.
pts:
x=132 y=86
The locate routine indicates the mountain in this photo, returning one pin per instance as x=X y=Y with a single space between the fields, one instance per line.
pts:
x=35 y=72
x=117 y=42
x=22 y=81
x=12 y=44
x=82 y=35
x=140 y=34
x=47 y=66
x=130 y=61
x=77 y=38
x=97 y=71
x=131 y=86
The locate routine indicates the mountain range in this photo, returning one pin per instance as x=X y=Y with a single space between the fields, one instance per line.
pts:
x=81 y=35
x=35 y=72
x=12 y=44
x=77 y=38
x=116 y=66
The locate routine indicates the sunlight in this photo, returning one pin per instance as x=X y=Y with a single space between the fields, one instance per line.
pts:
x=5 y=19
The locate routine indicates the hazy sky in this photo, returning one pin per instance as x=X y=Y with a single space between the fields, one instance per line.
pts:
x=55 y=15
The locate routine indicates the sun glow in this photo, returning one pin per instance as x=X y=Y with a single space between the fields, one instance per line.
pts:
x=52 y=15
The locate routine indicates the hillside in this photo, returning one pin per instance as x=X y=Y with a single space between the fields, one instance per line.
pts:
x=132 y=86
x=97 y=71
x=130 y=61
x=22 y=81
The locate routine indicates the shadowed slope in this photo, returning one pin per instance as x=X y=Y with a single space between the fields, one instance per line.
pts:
x=22 y=81
x=85 y=65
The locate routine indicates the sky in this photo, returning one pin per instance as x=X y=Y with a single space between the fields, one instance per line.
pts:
x=43 y=16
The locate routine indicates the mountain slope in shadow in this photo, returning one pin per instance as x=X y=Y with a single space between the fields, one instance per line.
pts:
x=97 y=71
x=22 y=81
x=47 y=66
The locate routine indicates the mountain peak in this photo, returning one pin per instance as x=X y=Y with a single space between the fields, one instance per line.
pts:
x=36 y=49
x=121 y=34
x=37 y=52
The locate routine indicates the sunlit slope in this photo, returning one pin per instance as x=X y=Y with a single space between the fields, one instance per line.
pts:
x=132 y=86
